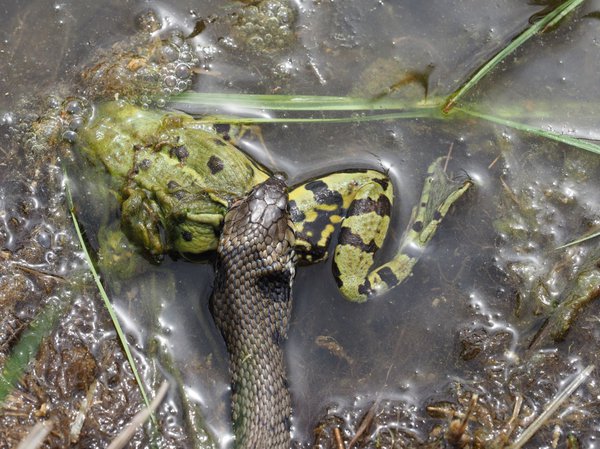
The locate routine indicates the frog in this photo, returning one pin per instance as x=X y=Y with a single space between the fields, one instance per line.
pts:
x=175 y=179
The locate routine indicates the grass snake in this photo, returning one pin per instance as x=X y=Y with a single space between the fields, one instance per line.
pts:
x=251 y=305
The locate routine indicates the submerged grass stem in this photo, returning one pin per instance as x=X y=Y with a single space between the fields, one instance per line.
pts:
x=572 y=141
x=107 y=303
x=580 y=240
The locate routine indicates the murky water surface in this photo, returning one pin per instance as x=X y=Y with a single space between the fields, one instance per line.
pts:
x=469 y=315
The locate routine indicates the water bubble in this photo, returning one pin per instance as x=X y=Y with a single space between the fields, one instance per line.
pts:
x=182 y=71
x=185 y=56
x=169 y=53
x=76 y=123
x=283 y=15
x=176 y=38
x=74 y=107
x=255 y=41
x=170 y=81
x=53 y=102
x=148 y=21
x=44 y=239
x=285 y=68
x=70 y=136
x=227 y=41
x=8 y=118
x=267 y=26
x=272 y=23
x=250 y=12
x=147 y=75
x=51 y=257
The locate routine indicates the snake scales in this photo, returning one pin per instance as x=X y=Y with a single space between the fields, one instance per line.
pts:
x=251 y=304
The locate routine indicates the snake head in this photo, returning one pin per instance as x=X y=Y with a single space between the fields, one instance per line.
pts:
x=261 y=223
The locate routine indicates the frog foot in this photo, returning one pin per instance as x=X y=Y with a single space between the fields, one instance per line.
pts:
x=440 y=192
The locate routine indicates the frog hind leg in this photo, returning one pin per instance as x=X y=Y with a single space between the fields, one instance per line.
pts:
x=362 y=233
x=142 y=222
x=359 y=202
x=439 y=193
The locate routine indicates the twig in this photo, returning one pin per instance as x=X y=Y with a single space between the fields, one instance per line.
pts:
x=494 y=162
x=77 y=423
x=457 y=428
x=37 y=272
x=364 y=424
x=139 y=419
x=511 y=194
x=36 y=435
x=448 y=156
x=509 y=427
x=339 y=443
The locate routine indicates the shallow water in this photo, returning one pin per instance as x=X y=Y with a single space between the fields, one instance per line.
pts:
x=406 y=344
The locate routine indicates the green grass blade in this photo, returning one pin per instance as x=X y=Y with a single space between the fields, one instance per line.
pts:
x=573 y=141
x=107 y=303
x=580 y=240
x=549 y=20
x=311 y=102
x=432 y=112
x=568 y=8
x=188 y=100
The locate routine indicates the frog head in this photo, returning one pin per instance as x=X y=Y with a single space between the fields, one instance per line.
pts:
x=174 y=178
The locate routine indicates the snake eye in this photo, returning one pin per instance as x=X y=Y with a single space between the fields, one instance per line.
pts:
x=281 y=176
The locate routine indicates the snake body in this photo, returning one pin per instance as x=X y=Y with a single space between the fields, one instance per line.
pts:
x=251 y=305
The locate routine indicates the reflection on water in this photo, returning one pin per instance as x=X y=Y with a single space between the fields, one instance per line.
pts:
x=466 y=317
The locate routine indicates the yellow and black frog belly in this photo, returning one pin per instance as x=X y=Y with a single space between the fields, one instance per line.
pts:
x=175 y=180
